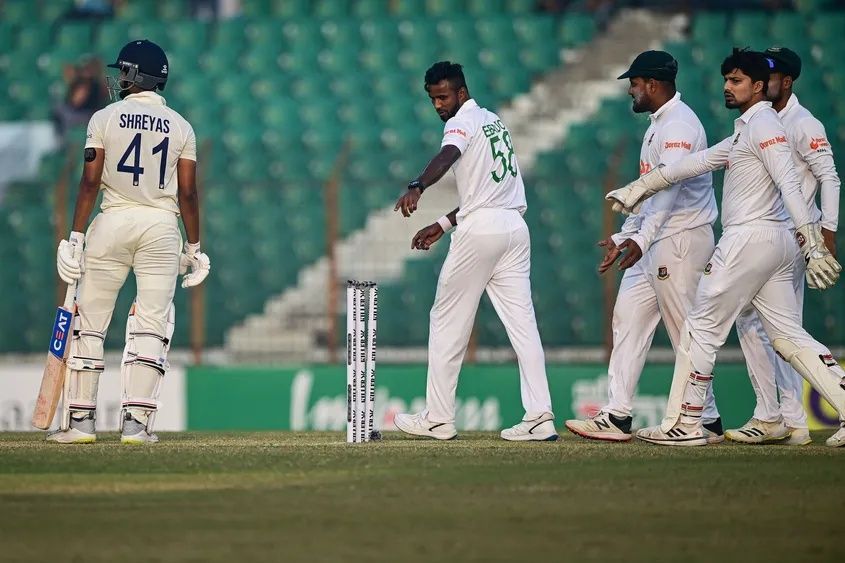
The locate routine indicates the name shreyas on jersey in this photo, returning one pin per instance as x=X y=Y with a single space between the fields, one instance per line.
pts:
x=144 y=122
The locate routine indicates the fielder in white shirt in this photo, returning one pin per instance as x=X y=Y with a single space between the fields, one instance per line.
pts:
x=667 y=245
x=490 y=251
x=785 y=421
x=142 y=155
x=755 y=258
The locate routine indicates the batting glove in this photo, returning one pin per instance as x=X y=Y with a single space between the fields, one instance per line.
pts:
x=69 y=261
x=195 y=261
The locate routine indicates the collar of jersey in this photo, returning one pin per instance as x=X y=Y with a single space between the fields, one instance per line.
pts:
x=752 y=111
x=666 y=107
x=468 y=105
x=793 y=101
x=146 y=97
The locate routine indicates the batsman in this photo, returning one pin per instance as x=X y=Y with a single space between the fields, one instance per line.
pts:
x=142 y=155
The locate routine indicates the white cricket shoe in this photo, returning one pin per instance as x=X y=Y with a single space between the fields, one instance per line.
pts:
x=602 y=427
x=540 y=429
x=838 y=439
x=679 y=435
x=798 y=437
x=81 y=431
x=419 y=425
x=757 y=431
x=136 y=433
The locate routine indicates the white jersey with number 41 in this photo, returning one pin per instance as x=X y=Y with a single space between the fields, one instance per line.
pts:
x=143 y=139
x=487 y=173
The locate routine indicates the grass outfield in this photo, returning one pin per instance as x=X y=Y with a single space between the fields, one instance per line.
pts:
x=277 y=496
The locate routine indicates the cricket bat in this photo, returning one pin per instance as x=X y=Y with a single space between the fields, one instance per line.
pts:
x=54 y=371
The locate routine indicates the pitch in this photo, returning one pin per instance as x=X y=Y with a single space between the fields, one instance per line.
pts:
x=276 y=496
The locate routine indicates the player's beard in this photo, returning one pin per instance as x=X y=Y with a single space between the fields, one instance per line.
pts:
x=639 y=105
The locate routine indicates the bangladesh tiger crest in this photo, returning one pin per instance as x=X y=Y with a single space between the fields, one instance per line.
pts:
x=662 y=273
x=707 y=268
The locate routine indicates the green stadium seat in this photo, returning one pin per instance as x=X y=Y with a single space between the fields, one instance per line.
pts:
x=290 y=9
x=331 y=8
x=408 y=7
x=709 y=26
x=20 y=12
x=575 y=29
x=495 y=31
x=137 y=10
x=787 y=27
x=748 y=26
x=173 y=10
x=110 y=37
x=827 y=27
x=256 y=8
x=445 y=8
x=74 y=35
x=365 y=9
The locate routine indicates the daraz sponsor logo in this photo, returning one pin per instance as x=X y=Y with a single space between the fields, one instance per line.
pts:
x=773 y=141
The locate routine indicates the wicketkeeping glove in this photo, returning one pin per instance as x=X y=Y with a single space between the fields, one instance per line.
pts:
x=822 y=268
x=629 y=198
x=69 y=258
x=195 y=261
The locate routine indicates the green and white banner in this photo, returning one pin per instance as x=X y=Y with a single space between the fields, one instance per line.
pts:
x=314 y=398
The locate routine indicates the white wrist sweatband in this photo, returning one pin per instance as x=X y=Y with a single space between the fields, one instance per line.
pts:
x=192 y=248
x=445 y=224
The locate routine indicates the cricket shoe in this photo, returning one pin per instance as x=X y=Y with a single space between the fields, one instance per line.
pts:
x=602 y=426
x=798 y=437
x=757 y=431
x=419 y=425
x=679 y=435
x=713 y=431
x=81 y=431
x=136 y=433
x=838 y=439
x=540 y=429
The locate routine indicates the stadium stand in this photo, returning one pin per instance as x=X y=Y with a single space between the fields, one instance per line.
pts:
x=275 y=95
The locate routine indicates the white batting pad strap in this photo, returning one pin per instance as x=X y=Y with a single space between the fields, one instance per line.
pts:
x=79 y=363
x=694 y=394
x=82 y=406
x=140 y=403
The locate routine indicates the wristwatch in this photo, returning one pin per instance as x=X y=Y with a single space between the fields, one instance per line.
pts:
x=416 y=184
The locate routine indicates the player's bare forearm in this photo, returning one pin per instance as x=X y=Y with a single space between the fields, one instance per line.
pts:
x=453 y=216
x=439 y=165
x=89 y=187
x=189 y=205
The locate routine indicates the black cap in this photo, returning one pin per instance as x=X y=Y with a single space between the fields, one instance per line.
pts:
x=659 y=65
x=784 y=60
x=150 y=60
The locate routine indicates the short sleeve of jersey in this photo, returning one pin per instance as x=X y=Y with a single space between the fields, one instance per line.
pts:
x=677 y=140
x=457 y=132
x=94 y=138
x=189 y=150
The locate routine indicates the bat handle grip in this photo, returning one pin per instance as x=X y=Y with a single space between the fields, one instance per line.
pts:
x=70 y=295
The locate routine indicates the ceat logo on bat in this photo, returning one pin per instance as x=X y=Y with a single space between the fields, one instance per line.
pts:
x=61 y=330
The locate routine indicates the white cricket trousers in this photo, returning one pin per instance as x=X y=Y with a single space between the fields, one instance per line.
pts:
x=661 y=285
x=752 y=264
x=770 y=374
x=148 y=241
x=490 y=250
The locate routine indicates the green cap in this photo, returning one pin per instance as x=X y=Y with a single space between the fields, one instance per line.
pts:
x=659 y=65
x=784 y=60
